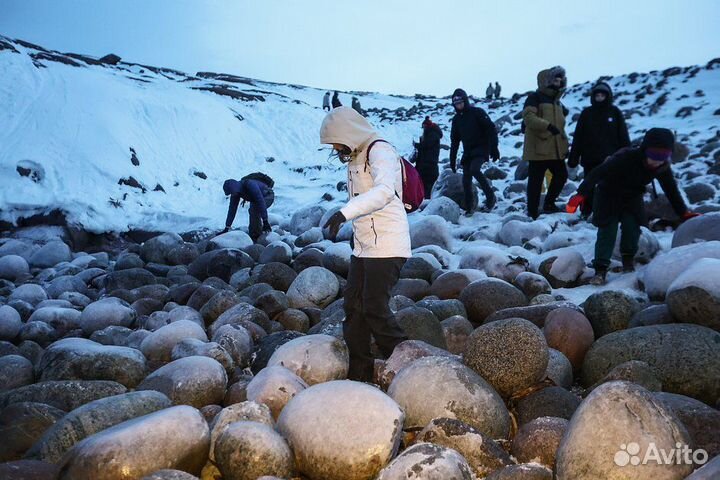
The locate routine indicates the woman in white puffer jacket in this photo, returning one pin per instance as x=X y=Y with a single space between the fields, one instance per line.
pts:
x=381 y=236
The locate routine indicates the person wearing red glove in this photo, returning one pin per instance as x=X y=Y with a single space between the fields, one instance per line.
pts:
x=619 y=184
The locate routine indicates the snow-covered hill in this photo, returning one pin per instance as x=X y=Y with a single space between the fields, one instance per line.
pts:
x=125 y=146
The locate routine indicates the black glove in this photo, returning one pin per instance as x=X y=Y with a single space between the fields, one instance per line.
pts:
x=573 y=162
x=266 y=227
x=553 y=129
x=333 y=224
x=226 y=230
x=495 y=155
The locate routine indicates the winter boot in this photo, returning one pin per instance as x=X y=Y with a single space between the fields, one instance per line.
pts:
x=600 y=276
x=551 y=208
x=628 y=263
x=489 y=205
x=469 y=212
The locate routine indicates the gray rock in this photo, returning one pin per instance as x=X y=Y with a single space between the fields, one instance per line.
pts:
x=128 y=260
x=218 y=304
x=10 y=323
x=450 y=285
x=278 y=275
x=237 y=341
x=128 y=279
x=559 y=370
x=633 y=371
x=336 y=258
x=323 y=448
x=82 y=359
x=66 y=394
x=15 y=371
x=275 y=386
x=169 y=474
x=14 y=267
x=249 y=450
x=278 y=251
x=141 y=446
x=183 y=254
x=420 y=324
x=412 y=288
x=241 y=314
x=158 y=346
x=421 y=266
x=30 y=293
x=314 y=358
x=665 y=268
x=221 y=263
x=306 y=218
x=628 y=413
x=272 y=303
x=702 y=422
x=21 y=424
x=450 y=185
x=312 y=257
x=426 y=460
x=457 y=329
x=403 y=355
x=699 y=229
x=313 y=287
x=538 y=440
x=196 y=381
x=38 y=332
x=484 y=297
x=709 y=471
x=610 y=311
x=548 y=402
x=157 y=248
x=190 y=347
x=293 y=319
x=63 y=320
x=444 y=207
x=92 y=418
x=699 y=192
x=531 y=471
x=652 y=315
x=106 y=312
x=434 y=387
x=314 y=235
x=430 y=230
x=687 y=357
x=511 y=355
x=694 y=296
x=51 y=254
x=532 y=284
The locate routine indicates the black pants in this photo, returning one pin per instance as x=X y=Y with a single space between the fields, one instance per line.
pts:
x=587 y=207
x=367 y=312
x=536 y=175
x=429 y=176
x=255 y=223
x=326 y=108
x=471 y=169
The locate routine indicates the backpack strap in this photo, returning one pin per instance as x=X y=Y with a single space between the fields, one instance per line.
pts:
x=367 y=161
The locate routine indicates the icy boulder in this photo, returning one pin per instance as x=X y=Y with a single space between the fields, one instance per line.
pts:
x=306 y=218
x=493 y=261
x=443 y=207
x=450 y=185
x=648 y=246
x=314 y=287
x=516 y=232
x=562 y=267
x=233 y=239
x=699 y=229
x=427 y=461
x=431 y=230
x=694 y=296
x=314 y=358
x=665 y=268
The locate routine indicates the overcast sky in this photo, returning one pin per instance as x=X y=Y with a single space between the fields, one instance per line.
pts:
x=408 y=46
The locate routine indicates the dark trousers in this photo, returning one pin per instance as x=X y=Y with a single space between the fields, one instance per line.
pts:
x=536 y=175
x=607 y=234
x=367 y=312
x=471 y=169
x=586 y=209
x=255 y=224
x=428 y=177
x=326 y=108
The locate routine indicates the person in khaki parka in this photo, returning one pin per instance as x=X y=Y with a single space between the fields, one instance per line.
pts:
x=546 y=143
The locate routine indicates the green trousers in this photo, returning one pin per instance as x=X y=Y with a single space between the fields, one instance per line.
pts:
x=607 y=235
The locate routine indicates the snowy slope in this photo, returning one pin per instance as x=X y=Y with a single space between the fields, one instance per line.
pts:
x=73 y=127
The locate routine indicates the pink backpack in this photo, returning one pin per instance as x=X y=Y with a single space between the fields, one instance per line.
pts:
x=413 y=190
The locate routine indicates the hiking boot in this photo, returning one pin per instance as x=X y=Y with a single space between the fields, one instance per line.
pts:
x=487 y=208
x=469 y=212
x=599 y=278
x=628 y=263
x=551 y=208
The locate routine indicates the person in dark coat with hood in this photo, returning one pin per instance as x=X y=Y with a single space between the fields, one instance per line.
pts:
x=473 y=127
x=619 y=184
x=261 y=197
x=600 y=131
x=356 y=106
x=428 y=152
x=336 y=100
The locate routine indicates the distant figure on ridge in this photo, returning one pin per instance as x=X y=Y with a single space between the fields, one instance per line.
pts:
x=256 y=188
x=546 y=143
x=489 y=91
x=326 y=101
x=428 y=152
x=336 y=100
x=356 y=106
x=600 y=132
x=473 y=127
x=619 y=183
x=497 y=90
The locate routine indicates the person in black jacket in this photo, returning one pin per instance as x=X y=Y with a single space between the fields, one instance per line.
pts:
x=473 y=127
x=260 y=196
x=619 y=184
x=336 y=100
x=428 y=151
x=600 y=132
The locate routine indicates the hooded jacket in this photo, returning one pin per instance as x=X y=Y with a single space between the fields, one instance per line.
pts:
x=253 y=191
x=473 y=127
x=600 y=131
x=542 y=108
x=428 y=148
x=380 y=225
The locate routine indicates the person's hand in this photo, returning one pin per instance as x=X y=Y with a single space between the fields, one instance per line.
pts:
x=333 y=224
x=226 y=230
x=576 y=201
x=688 y=215
x=495 y=155
x=553 y=129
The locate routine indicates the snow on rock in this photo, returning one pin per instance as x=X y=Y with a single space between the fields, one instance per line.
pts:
x=562 y=267
x=694 y=296
x=430 y=230
x=698 y=229
x=664 y=269
x=516 y=232
x=493 y=261
x=443 y=207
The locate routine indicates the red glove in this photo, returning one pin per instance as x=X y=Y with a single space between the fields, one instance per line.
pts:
x=576 y=201
x=688 y=215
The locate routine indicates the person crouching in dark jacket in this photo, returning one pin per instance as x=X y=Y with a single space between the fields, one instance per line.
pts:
x=600 y=132
x=428 y=152
x=619 y=184
x=260 y=196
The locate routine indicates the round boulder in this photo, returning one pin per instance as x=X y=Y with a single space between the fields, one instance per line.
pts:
x=314 y=358
x=275 y=386
x=10 y=323
x=15 y=371
x=457 y=329
x=248 y=450
x=314 y=287
x=350 y=419
x=158 y=346
x=538 y=440
x=694 y=296
x=196 y=381
x=434 y=387
x=559 y=370
x=511 y=354
x=420 y=324
x=548 y=402
x=13 y=267
x=610 y=311
x=569 y=332
x=427 y=461
x=106 y=312
x=484 y=297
